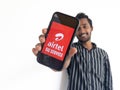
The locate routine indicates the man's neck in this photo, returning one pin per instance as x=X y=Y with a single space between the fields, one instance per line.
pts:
x=88 y=45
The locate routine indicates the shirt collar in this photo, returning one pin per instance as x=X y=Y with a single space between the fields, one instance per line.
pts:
x=93 y=44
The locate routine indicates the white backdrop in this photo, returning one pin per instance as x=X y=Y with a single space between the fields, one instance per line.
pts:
x=21 y=22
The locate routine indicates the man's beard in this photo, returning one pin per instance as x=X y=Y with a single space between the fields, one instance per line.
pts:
x=84 y=40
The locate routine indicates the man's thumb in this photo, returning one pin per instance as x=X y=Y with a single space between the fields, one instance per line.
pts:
x=72 y=51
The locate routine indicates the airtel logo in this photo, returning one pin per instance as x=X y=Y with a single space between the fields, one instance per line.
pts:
x=59 y=36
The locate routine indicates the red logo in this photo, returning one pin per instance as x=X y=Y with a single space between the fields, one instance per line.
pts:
x=57 y=41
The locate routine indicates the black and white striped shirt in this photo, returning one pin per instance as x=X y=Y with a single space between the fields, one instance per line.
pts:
x=89 y=70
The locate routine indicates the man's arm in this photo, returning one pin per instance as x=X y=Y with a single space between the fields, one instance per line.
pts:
x=72 y=51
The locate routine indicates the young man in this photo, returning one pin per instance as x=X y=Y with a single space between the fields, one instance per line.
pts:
x=87 y=65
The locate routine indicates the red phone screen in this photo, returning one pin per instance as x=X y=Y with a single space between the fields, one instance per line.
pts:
x=58 y=40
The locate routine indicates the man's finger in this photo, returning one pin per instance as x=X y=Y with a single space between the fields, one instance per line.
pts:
x=35 y=51
x=44 y=31
x=42 y=38
x=38 y=47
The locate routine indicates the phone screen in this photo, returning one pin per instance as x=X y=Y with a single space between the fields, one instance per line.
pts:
x=60 y=34
x=58 y=40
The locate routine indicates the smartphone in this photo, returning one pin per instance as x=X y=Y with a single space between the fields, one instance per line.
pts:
x=60 y=34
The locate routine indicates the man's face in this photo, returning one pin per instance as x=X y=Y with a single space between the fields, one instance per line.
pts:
x=84 y=32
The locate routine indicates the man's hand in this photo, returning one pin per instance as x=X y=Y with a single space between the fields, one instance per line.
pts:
x=38 y=48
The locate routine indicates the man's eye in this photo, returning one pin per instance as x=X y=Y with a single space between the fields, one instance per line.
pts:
x=84 y=26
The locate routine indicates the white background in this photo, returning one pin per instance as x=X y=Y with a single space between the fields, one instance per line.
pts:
x=21 y=22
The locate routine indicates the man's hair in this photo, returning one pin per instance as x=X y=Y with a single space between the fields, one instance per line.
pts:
x=83 y=15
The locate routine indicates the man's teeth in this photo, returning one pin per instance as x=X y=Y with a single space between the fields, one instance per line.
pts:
x=83 y=35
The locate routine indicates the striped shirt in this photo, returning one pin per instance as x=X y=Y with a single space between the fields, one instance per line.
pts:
x=89 y=69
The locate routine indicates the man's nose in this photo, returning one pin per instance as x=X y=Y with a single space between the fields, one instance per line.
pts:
x=82 y=30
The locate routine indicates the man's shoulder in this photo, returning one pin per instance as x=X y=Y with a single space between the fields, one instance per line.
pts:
x=101 y=50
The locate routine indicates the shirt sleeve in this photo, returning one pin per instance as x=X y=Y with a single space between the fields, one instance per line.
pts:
x=108 y=85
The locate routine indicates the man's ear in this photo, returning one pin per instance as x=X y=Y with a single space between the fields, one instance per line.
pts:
x=91 y=28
